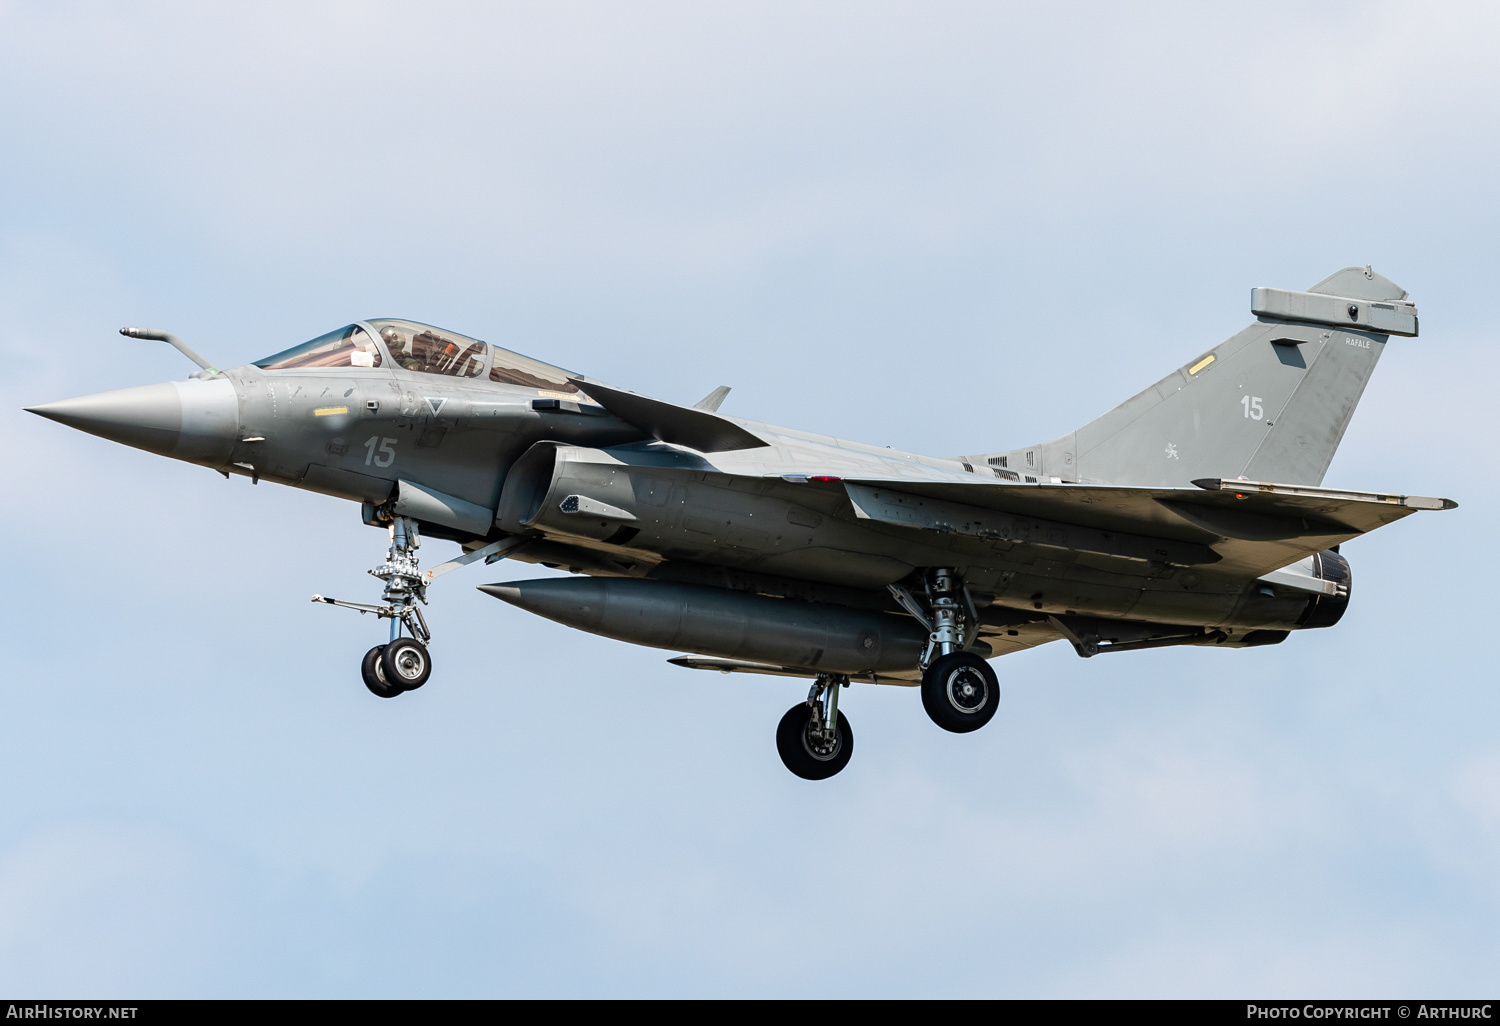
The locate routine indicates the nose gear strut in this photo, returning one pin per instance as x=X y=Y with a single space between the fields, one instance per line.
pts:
x=402 y=664
x=404 y=585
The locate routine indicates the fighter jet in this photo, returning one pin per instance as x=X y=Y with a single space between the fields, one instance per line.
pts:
x=1190 y=514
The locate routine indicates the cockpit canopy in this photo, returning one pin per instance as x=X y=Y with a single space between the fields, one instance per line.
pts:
x=349 y=346
x=422 y=348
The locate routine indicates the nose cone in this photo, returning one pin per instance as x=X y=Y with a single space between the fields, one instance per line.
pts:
x=190 y=420
x=577 y=602
x=505 y=593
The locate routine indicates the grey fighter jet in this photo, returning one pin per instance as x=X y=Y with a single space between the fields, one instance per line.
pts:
x=1191 y=514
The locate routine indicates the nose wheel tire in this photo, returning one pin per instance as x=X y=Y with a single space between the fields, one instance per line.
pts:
x=805 y=753
x=960 y=692
x=369 y=668
x=405 y=664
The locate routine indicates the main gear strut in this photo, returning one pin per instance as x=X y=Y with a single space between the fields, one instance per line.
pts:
x=959 y=690
x=949 y=614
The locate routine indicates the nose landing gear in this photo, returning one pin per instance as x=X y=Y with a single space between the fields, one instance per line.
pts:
x=402 y=664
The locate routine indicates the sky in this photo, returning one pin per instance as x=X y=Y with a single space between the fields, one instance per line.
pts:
x=945 y=227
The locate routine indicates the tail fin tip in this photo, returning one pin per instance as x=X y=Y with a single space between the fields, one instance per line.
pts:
x=1359 y=283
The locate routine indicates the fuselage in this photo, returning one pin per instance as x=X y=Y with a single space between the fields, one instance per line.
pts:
x=360 y=411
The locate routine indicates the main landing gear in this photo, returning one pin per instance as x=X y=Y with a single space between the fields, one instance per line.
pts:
x=814 y=738
x=959 y=690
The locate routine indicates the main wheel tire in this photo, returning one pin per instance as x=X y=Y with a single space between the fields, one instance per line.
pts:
x=802 y=754
x=406 y=664
x=960 y=692
x=369 y=669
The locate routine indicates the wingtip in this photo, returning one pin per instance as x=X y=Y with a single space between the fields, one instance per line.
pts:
x=1427 y=502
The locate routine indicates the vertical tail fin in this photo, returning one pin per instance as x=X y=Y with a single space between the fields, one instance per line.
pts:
x=1269 y=404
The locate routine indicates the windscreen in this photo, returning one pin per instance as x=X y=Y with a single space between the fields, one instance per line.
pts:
x=349 y=346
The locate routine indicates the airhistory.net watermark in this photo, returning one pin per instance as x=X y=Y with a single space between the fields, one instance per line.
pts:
x=70 y=1011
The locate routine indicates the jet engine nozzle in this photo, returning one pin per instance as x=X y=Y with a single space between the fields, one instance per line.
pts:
x=197 y=421
x=1327 y=610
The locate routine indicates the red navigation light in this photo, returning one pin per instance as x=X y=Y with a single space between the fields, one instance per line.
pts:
x=824 y=477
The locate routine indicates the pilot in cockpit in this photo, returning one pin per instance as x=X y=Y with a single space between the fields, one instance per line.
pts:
x=396 y=342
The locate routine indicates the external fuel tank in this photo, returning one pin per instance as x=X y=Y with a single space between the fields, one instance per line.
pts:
x=720 y=622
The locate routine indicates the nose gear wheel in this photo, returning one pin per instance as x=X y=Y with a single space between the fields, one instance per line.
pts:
x=374 y=676
x=404 y=663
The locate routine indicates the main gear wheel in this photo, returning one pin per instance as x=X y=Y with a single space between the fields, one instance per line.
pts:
x=960 y=692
